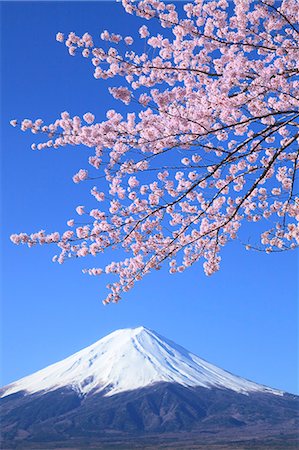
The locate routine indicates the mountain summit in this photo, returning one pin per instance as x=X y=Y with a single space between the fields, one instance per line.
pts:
x=137 y=389
x=130 y=359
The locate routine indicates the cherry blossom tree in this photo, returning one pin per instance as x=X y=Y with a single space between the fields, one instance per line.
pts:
x=210 y=139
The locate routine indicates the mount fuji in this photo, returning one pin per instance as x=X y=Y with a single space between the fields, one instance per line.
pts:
x=131 y=359
x=137 y=386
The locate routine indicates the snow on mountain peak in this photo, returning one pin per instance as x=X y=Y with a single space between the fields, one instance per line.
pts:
x=129 y=359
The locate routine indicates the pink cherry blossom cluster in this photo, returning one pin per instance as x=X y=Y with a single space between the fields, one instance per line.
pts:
x=212 y=141
x=121 y=93
x=80 y=176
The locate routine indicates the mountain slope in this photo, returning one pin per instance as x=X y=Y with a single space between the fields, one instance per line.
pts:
x=130 y=359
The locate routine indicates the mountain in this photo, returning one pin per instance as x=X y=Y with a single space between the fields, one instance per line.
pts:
x=137 y=386
x=131 y=359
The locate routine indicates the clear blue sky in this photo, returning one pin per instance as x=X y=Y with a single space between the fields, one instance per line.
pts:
x=243 y=319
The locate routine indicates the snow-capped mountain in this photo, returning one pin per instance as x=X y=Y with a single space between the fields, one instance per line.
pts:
x=130 y=359
x=136 y=389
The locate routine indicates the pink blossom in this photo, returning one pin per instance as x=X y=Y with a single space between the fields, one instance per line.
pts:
x=128 y=40
x=143 y=31
x=59 y=37
x=80 y=176
x=72 y=50
x=85 y=53
x=100 y=196
x=105 y=35
x=80 y=210
x=89 y=118
x=121 y=93
x=186 y=161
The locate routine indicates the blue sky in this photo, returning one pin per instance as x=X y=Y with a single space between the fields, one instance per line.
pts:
x=243 y=319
